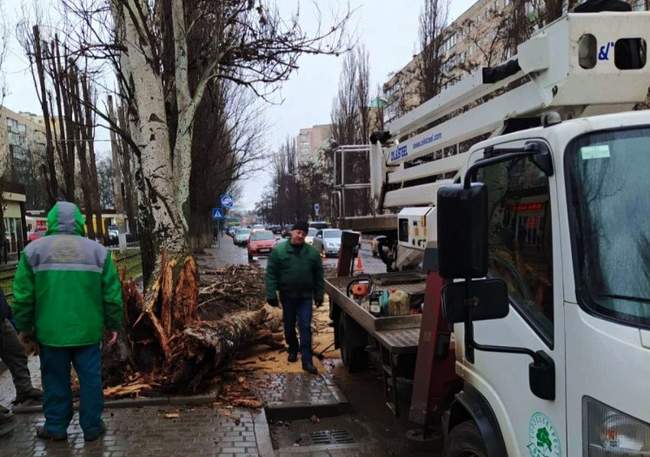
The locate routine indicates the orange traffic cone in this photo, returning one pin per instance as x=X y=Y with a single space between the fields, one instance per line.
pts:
x=359 y=266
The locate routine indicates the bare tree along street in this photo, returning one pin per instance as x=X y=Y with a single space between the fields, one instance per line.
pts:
x=344 y=228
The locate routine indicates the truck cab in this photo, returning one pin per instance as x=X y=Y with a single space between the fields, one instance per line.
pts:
x=521 y=192
x=572 y=245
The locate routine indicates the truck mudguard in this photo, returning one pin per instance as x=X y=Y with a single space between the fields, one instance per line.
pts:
x=470 y=404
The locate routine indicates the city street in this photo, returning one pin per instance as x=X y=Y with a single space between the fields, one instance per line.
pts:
x=364 y=427
x=494 y=153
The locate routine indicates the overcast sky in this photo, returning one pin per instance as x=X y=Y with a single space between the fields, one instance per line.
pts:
x=388 y=29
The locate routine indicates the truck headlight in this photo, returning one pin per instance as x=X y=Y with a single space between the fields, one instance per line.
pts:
x=609 y=432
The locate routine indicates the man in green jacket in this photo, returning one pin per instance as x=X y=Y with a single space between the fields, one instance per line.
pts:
x=295 y=271
x=66 y=294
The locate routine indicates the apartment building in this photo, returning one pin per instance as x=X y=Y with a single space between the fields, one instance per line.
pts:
x=476 y=38
x=311 y=141
x=466 y=42
x=22 y=149
x=13 y=200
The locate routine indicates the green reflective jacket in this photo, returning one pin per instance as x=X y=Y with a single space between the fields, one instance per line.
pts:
x=66 y=287
x=294 y=272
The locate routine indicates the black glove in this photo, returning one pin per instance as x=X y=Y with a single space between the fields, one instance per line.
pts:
x=273 y=302
x=318 y=302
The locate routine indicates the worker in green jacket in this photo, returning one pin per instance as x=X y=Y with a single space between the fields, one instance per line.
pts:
x=295 y=272
x=66 y=294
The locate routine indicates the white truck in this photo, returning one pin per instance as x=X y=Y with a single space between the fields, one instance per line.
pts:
x=540 y=235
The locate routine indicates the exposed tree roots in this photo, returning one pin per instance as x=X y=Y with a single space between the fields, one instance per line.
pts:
x=179 y=336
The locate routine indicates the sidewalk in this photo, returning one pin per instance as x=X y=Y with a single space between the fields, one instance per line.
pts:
x=150 y=431
x=207 y=430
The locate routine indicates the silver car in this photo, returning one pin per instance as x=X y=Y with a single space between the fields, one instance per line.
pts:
x=328 y=242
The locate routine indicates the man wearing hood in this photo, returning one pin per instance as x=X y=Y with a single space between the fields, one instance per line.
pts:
x=66 y=294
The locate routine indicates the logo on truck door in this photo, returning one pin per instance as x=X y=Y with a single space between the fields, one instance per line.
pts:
x=543 y=441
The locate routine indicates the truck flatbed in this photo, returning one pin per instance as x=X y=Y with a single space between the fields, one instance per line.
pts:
x=397 y=334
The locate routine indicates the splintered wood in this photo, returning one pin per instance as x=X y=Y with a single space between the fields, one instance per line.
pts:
x=235 y=288
x=181 y=335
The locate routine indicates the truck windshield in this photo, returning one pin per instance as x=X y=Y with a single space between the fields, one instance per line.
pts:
x=609 y=188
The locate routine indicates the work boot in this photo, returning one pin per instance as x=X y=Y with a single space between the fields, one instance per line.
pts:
x=29 y=397
x=293 y=357
x=96 y=435
x=309 y=368
x=7 y=421
x=43 y=434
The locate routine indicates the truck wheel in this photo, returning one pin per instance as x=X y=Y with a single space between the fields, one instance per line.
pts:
x=354 y=357
x=465 y=441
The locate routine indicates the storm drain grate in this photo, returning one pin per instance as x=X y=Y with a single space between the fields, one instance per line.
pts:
x=331 y=437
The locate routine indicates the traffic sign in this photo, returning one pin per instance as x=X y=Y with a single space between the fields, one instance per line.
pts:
x=227 y=201
x=316 y=208
x=217 y=213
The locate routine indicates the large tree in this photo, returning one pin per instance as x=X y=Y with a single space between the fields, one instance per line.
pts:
x=64 y=86
x=350 y=117
x=431 y=73
x=168 y=56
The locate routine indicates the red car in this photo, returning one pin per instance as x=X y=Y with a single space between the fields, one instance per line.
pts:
x=35 y=235
x=261 y=242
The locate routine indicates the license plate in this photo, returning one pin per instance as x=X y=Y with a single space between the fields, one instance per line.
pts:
x=265 y=250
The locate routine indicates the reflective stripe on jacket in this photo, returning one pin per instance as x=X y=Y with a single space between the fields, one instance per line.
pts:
x=66 y=286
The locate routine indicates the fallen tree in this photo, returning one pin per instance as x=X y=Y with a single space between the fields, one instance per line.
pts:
x=169 y=346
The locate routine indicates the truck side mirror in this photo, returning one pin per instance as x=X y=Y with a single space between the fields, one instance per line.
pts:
x=462 y=231
x=486 y=298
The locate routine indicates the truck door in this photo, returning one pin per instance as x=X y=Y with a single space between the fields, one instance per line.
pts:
x=523 y=243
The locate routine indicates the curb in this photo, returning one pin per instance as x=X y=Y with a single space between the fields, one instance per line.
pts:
x=304 y=410
x=263 y=435
x=135 y=403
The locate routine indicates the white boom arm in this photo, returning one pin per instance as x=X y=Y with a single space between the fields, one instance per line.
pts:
x=553 y=75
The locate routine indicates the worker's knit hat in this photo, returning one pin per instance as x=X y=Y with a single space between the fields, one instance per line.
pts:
x=301 y=225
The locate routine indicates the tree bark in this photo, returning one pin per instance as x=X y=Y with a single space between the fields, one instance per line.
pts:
x=116 y=153
x=89 y=122
x=50 y=176
x=155 y=155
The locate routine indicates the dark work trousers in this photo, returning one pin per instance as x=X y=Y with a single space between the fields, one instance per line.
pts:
x=298 y=309
x=57 y=394
x=13 y=355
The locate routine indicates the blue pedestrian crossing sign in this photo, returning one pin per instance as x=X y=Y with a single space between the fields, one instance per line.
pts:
x=227 y=201
x=217 y=213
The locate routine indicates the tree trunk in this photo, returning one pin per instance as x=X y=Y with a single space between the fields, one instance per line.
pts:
x=50 y=175
x=201 y=232
x=172 y=345
x=64 y=78
x=125 y=160
x=90 y=139
x=118 y=196
x=76 y=137
x=155 y=155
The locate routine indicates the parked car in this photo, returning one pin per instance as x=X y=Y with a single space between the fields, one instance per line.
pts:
x=276 y=229
x=230 y=231
x=309 y=239
x=241 y=237
x=319 y=225
x=36 y=234
x=328 y=242
x=261 y=242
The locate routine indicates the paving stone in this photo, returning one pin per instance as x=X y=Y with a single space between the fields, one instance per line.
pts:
x=141 y=432
x=288 y=388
